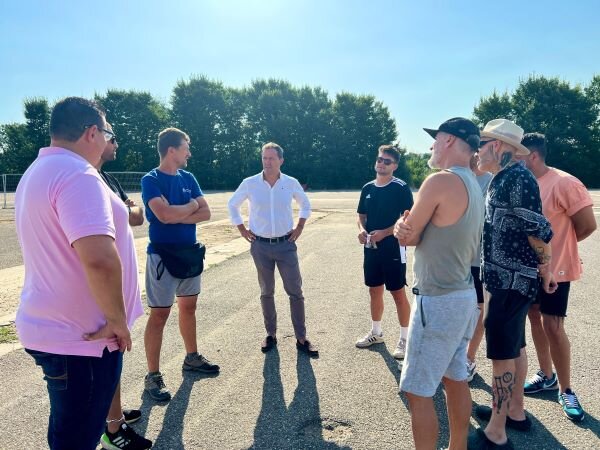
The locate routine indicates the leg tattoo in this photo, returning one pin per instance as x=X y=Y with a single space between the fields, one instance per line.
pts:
x=502 y=391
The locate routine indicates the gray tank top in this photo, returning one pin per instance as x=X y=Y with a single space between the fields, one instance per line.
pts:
x=443 y=257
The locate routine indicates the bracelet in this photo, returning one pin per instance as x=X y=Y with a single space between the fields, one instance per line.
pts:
x=122 y=418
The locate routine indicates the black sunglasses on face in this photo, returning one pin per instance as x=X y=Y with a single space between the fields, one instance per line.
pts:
x=385 y=161
x=108 y=135
x=482 y=143
x=113 y=140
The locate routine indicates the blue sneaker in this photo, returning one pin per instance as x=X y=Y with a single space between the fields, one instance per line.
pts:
x=571 y=406
x=540 y=382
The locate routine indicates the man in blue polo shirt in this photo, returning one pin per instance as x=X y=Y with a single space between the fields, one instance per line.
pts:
x=174 y=205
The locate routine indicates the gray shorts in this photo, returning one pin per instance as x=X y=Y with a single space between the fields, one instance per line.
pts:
x=438 y=336
x=161 y=292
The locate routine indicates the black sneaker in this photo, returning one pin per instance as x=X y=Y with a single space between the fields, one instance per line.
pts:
x=199 y=363
x=124 y=439
x=132 y=415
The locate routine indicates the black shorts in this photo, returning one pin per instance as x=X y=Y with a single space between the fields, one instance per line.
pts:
x=504 y=323
x=477 y=282
x=554 y=304
x=384 y=267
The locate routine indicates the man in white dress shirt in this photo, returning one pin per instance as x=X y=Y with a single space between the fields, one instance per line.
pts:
x=272 y=236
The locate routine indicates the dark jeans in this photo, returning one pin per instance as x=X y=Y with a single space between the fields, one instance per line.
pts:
x=81 y=389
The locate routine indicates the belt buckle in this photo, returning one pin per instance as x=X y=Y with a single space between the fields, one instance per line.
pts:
x=272 y=241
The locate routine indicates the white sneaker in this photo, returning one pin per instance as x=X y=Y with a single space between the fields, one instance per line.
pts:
x=369 y=340
x=471 y=370
x=400 y=350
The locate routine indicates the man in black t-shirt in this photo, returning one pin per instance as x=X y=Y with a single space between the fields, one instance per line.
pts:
x=382 y=202
x=136 y=213
x=117 y=428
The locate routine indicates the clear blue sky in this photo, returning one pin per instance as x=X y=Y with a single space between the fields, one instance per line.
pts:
x=427 y=61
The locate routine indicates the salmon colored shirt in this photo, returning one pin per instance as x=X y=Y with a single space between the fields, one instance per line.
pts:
x=60 y=199
x=562 y=196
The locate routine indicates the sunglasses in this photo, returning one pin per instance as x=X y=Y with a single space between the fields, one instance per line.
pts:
x=113 y=140
x=482 y=143
x=108 y=135
x=385 y=161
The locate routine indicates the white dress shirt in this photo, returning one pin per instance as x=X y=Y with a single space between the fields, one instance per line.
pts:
x=270 y=208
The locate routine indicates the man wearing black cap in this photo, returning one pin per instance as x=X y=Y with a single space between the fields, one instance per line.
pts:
x=445 y=226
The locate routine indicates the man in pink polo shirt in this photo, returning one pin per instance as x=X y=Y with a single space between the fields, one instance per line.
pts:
x=81 y=293
x=568 y=206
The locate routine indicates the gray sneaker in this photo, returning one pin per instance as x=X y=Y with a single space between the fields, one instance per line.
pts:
x=199 y=363
x=154 y=385
x=400 y=351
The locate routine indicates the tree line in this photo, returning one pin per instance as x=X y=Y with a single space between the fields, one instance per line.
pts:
x=330 y=143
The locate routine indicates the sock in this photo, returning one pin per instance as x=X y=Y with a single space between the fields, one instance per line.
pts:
x=191 y=355
x=150 y=374
x=376 y=327
x=404 y=333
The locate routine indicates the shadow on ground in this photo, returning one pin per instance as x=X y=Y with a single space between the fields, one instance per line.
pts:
x=300 y=425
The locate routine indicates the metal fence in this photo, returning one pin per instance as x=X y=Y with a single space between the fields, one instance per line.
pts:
x=130 y=181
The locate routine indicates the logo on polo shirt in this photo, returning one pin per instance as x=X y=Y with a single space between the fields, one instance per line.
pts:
x=185 y=190
x=368 y=196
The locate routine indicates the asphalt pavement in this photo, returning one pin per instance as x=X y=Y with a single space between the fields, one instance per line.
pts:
x=347 y=398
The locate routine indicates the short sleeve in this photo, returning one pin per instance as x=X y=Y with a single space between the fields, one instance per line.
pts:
x=150 y=188
x=195 y=187
x=573 y=195
x=362 y=206
x=93 y=216
x=407 y=199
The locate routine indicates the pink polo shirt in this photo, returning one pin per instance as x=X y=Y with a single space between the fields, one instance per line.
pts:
x=562 y=196
x=60 y=199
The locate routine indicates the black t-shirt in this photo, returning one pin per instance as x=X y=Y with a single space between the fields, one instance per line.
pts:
x=383 y=205
x=113 y=184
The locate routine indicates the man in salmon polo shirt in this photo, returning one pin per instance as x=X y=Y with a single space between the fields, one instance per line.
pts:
x=569 y=208
x=81 y=295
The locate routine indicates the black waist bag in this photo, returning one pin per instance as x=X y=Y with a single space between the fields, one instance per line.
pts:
x=182 y=261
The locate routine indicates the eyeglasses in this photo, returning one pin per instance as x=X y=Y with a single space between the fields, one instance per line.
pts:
x=108 y=135
x=386 y=161
x=113 y=140
x=482 y=143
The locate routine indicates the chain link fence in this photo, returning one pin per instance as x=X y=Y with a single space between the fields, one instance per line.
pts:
x=130 y=181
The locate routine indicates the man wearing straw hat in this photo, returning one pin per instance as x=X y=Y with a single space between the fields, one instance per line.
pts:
x=516 y=253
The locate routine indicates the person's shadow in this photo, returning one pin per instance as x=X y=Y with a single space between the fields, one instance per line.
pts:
x=171 y=433
x=300 y=425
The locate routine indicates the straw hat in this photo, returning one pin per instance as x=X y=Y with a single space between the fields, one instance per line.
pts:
x=506 y=131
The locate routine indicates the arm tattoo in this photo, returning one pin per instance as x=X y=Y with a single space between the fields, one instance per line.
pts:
x=542 y=256
x=502 y=391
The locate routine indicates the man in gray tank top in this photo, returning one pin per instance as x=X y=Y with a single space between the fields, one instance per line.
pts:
x=445 y=226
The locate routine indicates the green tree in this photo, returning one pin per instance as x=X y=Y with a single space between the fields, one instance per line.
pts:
x=199 y=108
x=566 y=114
x=360 y=125
x=493 y=107
x=296 y=118
x=136 y=118
x=20 y=143
x=418 y=168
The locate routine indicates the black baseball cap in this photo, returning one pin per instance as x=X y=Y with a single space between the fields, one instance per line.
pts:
x=461 y=128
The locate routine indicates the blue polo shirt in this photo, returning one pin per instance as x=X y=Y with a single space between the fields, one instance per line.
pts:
x=178 y=189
